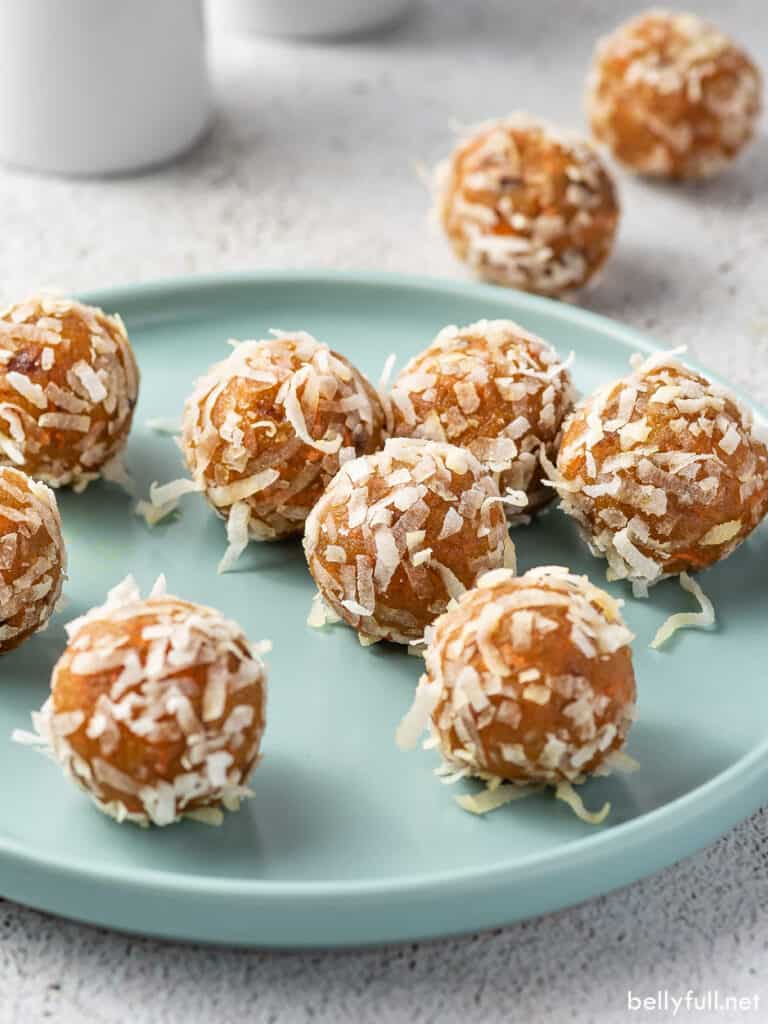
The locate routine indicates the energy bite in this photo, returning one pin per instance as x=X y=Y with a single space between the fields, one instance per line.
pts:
x=672 y=96
x=664 y=471
x=33 y=559
x=496 y=389
x=528 y=680
x=157 y=708
x=527 y=207
x=399 y=534
x=68 y=387
x=266 y=429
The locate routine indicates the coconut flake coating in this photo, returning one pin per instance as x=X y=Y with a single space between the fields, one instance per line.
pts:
x=529 y=679
x=527 y=207
x=400 y=533
x=672 y=96
x=157 y=707
x=664 y=471
x=33 y=559
x=68 y=387
x=266 y=429
x=494 y=388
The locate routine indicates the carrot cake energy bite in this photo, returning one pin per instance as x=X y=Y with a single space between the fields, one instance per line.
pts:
x=528 y=680
x=156 y=709
x=266 y=429
x=496 y=389
x=665 y=472
x=68 y=387
x=527 y=207
x=32 y=556
x=400 y=533
x=672 y=96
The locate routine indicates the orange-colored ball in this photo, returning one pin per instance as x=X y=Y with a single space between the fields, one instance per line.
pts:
x=400 y=533
x=496 y=389
x=526 y=207
x=33 y=559
x=529 y=679
x=68 y=387
x=266 y=430
x=672 y=96
x=157 y=707
x=664 y=471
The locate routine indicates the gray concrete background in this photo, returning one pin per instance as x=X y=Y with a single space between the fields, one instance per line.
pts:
x=311 y=163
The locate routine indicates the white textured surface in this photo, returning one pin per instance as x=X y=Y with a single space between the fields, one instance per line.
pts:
x=311 y=163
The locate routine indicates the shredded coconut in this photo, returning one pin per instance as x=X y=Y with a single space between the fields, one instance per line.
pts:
x=164 y=499
x=237 y=535
x=565 y=792
x=702 y=619
x=490 y=799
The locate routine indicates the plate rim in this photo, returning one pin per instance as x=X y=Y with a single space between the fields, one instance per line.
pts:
x=694 y=818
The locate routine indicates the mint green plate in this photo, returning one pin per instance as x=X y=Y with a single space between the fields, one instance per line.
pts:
x=348 y=840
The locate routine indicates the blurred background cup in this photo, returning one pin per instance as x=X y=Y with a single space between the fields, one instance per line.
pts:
x=303 y=18
x=96 y=87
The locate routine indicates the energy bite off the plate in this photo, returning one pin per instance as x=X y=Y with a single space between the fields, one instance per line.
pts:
x=400 y=533
x=68 y=386
x=672 y=96
x=157 y=708
x=528 y=207
x=266 y=429
x=528 y=680
x=33 y=559
x=665 y=471
x=496 y=389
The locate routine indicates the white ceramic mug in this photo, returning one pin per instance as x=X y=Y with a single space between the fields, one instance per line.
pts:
x=303 y=18
x=100 y=86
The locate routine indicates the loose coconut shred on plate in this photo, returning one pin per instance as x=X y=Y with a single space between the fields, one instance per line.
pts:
x=702 y=619
x=156 y=709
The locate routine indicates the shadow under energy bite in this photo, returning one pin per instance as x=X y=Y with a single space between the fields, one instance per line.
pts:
x=635 y=285
x=736 y=188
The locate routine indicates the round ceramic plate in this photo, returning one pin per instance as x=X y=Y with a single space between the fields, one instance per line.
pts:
x=347 y=839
